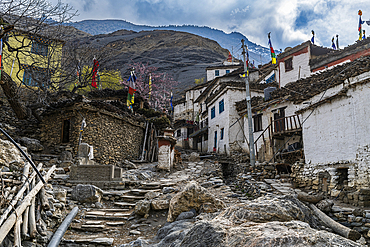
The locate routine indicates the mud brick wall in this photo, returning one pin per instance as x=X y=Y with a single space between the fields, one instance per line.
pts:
x=114 y=137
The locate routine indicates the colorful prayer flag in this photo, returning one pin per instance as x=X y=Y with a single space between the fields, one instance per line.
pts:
x=273 y=56
x=229 y=58
x=131 y=88
x=332 y=44
x=363 y=37
x=313 y=37
x=94 y=72
x=171 y=101
x=150 y=86
x=360 y=25
x=99 y=81
x=247 y=63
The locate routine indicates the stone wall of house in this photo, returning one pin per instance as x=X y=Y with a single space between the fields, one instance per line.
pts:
x=346 y=181
x=114 y=138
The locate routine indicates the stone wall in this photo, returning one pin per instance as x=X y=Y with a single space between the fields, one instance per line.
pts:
x=346 y=181
x=114 y=138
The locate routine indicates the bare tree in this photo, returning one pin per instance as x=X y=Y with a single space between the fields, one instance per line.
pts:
x=37 y=20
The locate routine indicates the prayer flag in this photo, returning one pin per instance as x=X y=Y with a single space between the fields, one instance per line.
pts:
x=363 y=37
x=99 y=81
x=94 y=72
x=247 y=63
x=313 y=37
x=360 y=25
x=131 y=88
x=171 y=101
x=332 y=44
x=229 y=58
x=273 y=56
x=150 y=85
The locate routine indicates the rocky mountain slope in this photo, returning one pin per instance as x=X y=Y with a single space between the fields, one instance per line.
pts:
x=229 y=41
x=183 y=56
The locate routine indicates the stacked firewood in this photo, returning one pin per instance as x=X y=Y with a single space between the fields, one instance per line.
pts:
x=22 y=197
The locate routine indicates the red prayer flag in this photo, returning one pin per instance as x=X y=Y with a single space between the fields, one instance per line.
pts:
x=95 y=71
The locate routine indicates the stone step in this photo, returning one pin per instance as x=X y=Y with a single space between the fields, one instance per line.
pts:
x=119 y=223
x=124 y=204
x=143 y=191
x=132 y=198
x=111 y=218
x=101 y=213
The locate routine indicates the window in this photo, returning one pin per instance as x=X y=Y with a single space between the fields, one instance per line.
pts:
x=213 y=112
x=217 y=73
x=39 y=48
x=178 y=133
x=65 y=130
x=221 y=106
x=257 y=123
x=288 y=64
x=215 y=141
x=33 y=77
x=227 y=71
x=222 y=134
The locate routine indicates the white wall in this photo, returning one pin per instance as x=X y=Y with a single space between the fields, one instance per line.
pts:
x=233 y=137
x=335 y=131
x=304 y=71
x=211 y=73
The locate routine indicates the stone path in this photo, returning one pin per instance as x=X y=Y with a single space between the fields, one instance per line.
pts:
x=282 y=187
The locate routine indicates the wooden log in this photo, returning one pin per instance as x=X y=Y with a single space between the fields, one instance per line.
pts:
x=18 y=196
x=25 y=223
x=304 y=197
x=17 y=232
x=31 y=215
x=9 y=223
x=335 y=226
x=44 y=199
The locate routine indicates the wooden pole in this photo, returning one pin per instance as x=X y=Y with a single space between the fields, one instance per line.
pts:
x=335 y=226
x=31 y=215
x=17 y=232
x=9 y=223
x=18 y=196
x=44 y=199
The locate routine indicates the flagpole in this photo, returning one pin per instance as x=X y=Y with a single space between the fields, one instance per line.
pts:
x=249 y=109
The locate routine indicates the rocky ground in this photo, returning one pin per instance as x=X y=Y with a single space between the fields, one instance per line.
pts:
x=199 y=203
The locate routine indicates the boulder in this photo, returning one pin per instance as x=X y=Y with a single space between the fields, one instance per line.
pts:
x=9 y=153
x=192 y=197
x=136 y=243
x=167 y=190
x=142 y=208
x=193 y=157
x=270 y=234
x=158 y=204
x=60 y=194
x=66 y=156
x=86 y=193
x=151 y=195
x=32 y=145
x=103 y=241
x=187 y=215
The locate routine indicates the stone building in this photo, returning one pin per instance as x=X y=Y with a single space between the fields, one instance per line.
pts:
x=114 y=134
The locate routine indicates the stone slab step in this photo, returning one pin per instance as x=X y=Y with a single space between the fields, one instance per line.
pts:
x=124 y=204
x=143 y=191
x=119 y=223
x=116 y=192
x=112 y=218
x=132 y=198
x=101 y=213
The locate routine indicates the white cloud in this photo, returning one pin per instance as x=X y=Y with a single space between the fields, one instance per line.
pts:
x=289 y=21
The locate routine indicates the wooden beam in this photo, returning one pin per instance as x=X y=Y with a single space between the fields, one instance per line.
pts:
x=9 y=223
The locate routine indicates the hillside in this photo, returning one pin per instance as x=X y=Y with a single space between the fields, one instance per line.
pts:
x=228 y=41
x=182 y=55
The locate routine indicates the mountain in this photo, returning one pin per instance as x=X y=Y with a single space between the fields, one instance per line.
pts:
x=231 y=41
x=182 y=55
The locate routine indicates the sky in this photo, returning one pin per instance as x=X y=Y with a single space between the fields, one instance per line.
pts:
x=289 y=21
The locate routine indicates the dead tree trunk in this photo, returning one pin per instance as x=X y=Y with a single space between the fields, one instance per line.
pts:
x=11 y=92
x=335 y=226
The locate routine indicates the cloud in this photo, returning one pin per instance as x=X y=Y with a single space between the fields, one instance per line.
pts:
x=289 y=21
